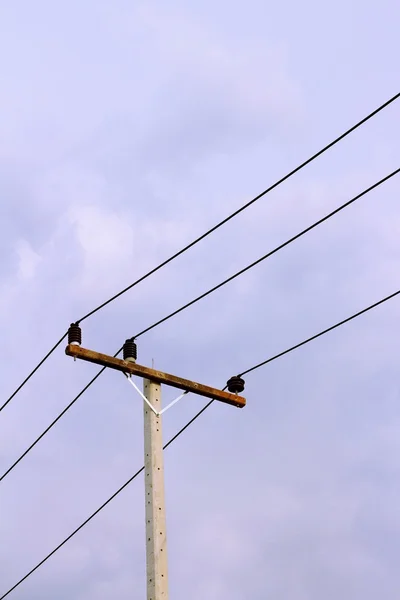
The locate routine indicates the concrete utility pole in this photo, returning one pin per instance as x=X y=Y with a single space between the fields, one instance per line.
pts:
x=156 y=537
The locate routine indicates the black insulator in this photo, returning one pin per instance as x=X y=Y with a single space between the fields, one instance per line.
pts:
x=130 y=350
x=74 y=334
x=235 y=385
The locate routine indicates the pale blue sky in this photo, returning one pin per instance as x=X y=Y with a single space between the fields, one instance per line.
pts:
x=126 y=130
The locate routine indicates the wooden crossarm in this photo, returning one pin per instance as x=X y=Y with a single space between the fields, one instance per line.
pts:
x=154 y=375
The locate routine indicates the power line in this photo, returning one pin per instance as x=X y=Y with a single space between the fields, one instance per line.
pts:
x=87 y=386
x=262 y=258
x=73 y=533
x=202 y=296
x=82 y=525
x=50 y=352
x=245 y=206
x=317 y=335
x=197 y=299
x=207 y=233
x=196 y=416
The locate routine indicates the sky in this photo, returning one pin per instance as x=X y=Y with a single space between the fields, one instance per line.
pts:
x=127 y=129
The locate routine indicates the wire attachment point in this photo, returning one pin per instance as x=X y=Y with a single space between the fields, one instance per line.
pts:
x=130 y=350
x=74 y=335
x=235 y=385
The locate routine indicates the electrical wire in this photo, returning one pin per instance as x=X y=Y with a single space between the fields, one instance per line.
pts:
x=46 y=558
x=245 y=206
x=207 y=293
x=265 y=256
x=209 y=232
x=192 y=420
x=73 y=533
x=87 y=386
x=50 y=352
x=317 y=335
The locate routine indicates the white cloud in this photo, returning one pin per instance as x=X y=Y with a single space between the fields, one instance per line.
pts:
x=107 y=242
x=28 y=260
x=149 y=126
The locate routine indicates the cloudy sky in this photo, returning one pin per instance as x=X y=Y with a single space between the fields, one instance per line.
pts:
x=126 y=130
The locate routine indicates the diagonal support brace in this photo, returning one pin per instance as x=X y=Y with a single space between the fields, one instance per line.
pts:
x=157 y=413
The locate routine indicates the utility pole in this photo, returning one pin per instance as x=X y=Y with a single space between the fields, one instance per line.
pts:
x=156 y=537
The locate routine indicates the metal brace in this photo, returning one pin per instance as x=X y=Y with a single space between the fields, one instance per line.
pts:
x=129 y=378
